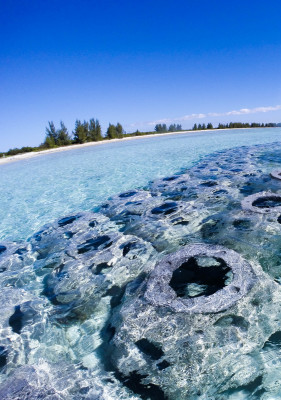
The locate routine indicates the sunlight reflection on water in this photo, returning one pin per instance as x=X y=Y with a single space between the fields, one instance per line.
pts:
x=38 y=190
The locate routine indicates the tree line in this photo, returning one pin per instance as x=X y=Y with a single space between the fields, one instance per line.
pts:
x=86 y=131
x=90 y=131
x=162 y=128
x=233 y=125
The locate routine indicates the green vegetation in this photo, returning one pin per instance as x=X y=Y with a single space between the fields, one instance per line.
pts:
x=233 y=125
x=87 y=131
x=56 y=137
x=162 y=128
x=90 y=131
x=115 y=132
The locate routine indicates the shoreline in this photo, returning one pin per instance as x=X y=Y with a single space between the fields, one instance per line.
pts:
x=24 y=156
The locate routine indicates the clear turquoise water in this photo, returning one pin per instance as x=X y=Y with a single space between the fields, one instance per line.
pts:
x=41 y=189
x=91 y=308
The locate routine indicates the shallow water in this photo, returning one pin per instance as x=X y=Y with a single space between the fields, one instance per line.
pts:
x=39 y=190
x=88 y=315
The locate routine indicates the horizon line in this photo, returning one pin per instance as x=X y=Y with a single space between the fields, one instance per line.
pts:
x=188 y=117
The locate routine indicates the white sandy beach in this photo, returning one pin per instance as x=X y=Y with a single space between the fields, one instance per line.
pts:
x=25 y=156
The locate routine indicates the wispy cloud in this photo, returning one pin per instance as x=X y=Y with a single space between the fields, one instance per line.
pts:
x=242 y=111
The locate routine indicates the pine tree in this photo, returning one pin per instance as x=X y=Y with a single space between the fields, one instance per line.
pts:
x=195 y=127
x=64 y=138
x=51 y=135
x=119 y=130
x=175 y=128
x=86 y=130
x=94 y=130
x=80 y=134
x=111 y=132
x=161 y=128
x=98 y=130
x=49 y=142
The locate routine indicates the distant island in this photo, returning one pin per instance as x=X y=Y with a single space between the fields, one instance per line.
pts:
x=90 y=131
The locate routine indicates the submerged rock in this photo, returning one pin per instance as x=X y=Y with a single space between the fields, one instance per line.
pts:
x=167 y=293
x=276 y=173
x=102 y=269
x=27 y=384
x=183 y=280
x=264 y=203
x=179 y=345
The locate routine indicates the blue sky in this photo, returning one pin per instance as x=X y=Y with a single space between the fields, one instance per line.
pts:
x=136 y=62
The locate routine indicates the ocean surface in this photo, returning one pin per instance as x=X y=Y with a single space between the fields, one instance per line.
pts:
x=39 y=190
x=149 y=270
